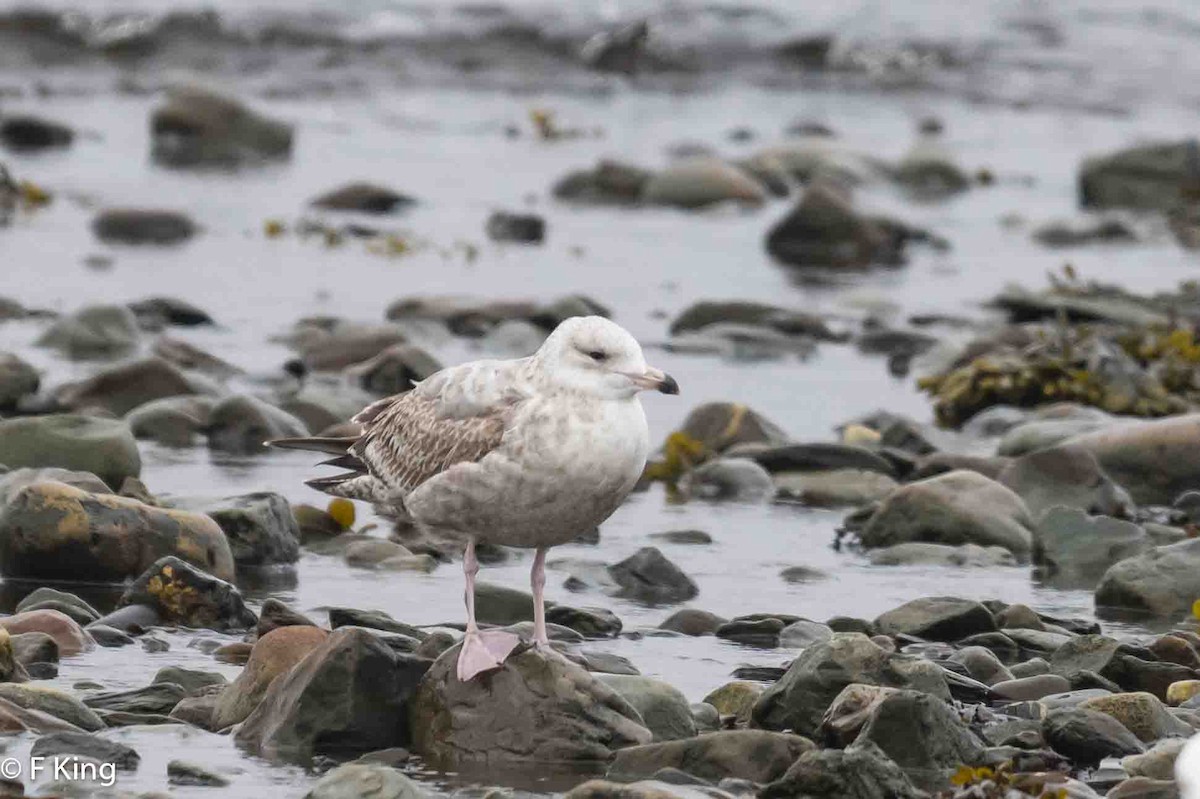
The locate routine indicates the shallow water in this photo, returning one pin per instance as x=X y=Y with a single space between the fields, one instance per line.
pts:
x=1037 y=111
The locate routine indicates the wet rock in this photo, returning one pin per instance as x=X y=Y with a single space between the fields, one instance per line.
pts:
x=122 y=388
x=367 y=198
x=173 y=421
x=815 y=678
x=804 y=632
x=394 y=370
x=62 y=601
x=260 y=527
x=273 y=655
x=25 y=132
x=647 y=576
x=1088 y=736
x=917 y=553
x=67 y=634
x=183 y=594
x=1069 y=542
x=522 y=228
x=193 y=681
x=378 y=620
x=701 y=315
x=929 y=172
x=188 y=356
x=348 y=345
x=81 y=744
x=689 y=537
x=1158 y=762
x=1065 y=476
x=183 y=772
x=1144 y=177
x=16 y=719
x=1141 y=713
x=699 y=182
x=982 y=664
x=588 y=622
x=735 y=699
x=373 y=552
x=721 y=425
x=351 y=693
x=197 y=127
x=1149 y=458
x=608 y=183
x=664 y=710
x=36 y=652
x=59 y=704
x=17 y=380
x=108 y=637
x=274 y=614
x=1094 y=653
x=101 y=536
x=1042 y=433
x=730 y=479
x=956 y=508
x=833 y=489
x=862 y=771
x=1144 y=788
x=358 y=779
x=754 y=755
x=94 y=331
x=155 y=313
x=756 y=630
x=1161 y=581
x=1023 y=689
x=937 y=619
x=132 y=619
x=142 y=226
x=543 y=708
x=693 y=621
x=1075 y=234
x=156 y=699
x=242 y=423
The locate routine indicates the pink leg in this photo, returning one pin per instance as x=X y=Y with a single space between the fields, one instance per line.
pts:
x=481 y=650
x=537 y=579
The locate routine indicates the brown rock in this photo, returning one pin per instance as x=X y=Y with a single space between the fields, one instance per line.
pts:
x=274 y=654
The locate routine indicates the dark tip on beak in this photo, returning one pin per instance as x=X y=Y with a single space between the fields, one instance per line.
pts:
x=668 y=385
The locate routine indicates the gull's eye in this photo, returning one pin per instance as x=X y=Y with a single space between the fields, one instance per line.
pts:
x=597 y=356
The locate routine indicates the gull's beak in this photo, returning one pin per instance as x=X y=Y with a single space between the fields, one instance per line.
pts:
x=657 y=380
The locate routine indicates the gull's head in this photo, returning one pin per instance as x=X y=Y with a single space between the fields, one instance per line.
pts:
x=591 y=355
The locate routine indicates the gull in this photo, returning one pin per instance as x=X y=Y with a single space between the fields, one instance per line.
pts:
x=528 y=453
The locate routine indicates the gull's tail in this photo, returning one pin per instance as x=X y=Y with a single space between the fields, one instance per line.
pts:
x=358 y=483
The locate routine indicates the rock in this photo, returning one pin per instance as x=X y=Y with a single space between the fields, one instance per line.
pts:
x=16 y=719
x=358 y=780
x=82 y=744
x=241 y=423
x=187 y=596
x=664 y=710
x=367 y=198
x=959 y=507
x=1150 y=459
x=371 y=553
x=1065 y=475
x=124 y=387
x=62 y=601
x=982 y=664
x=1043 y=433
x=543 y=708
x=49 y=700
x=928 y=171
x=274 y=614
x=102 y=536
x=861 y=771
x=378 y=620
x=352 y=693
x=703 y=314
x=349 y=344
x=17 y=380
x=1158 y=762
x=1028 y=668
x=109 y=637
x=183 y=772
x=735 y=699
x=753 y=755
x=260 y=527
x=804 y=632
x=133 y=619
x=157 y=699
x=142 y=226
x=192 y=681
x=1149 y=176
x=95 y=331
x=917 y=553
x=1092 y=653
x=1078 y=233
x=155 y=313
x=102 y=447
x=647 y=576
x=824 y=230
x=1088 y=736
x=1144 y=788
x=609 y=183
x=937 y=619
x=33 y=650
x=274 y=654
x=394 y=370
x=173 y=421
x=1069 y=542
x=1161 y=581
x=733 y=479
x=67 y=634
x=692 y=621
x=1177 y=693
x=1023 y=689
x=802 y=574
x=818 y=457
x=699 y=182
x=588 y=622
x=521 y=228
x=815 y=678
x=196 y=127
x=25 y=132
x=1141 y=713
x=834 y=489
x=720 y=425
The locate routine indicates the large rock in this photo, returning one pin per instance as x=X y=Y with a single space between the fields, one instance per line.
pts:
x=120 y=389
x=697 y=182
x=1162 y=581
x=103 y=447
x=198 y=127
x=84 y=745
x=57 y=532
x=185 y=595
x=937 y=618
x=361 y=780
x=260 y=527
x=958 y=507
x=95 y=331
x=798 y=701
x=53 y=701
x=350 y=694
x=861 y=771
x=537 y=708
x=1150 y=176
x=173 y=421
x=1071 y=543
x=729 y=479
x=720 y=425
x=754 y=755
x=273 y=655
x=154 y=699
x=242 y=423
x=664 y=710
x=1141 y=713
x=1064 y=475
x=1155 y=461
x=648 y=576
x=70 y=638
x=17 y=379
x=824 y=230
x=1088 y=736
x=143 y=226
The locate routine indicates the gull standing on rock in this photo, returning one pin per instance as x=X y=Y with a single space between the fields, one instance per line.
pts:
x=524 y=453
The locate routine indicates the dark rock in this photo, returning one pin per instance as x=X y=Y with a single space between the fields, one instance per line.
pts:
x=721 y=425
x=1075 y=234
x=1161 y=581
x=819 y=457
x=142 y=226
x=191 y=680
x=197 y=127
x=588 y=622
x=158 y=698
x=378 y=620
x=363 y=197
x=752 y=632
x=274 y=614
x=698 y=537
x=1065 y=475
x=154 y=313
x=1087 y=736
x=698 y=316
x=1071 y=543
x=83 y=744
x=937 y=619
x=394 y=370
x=861 y=771
x=242 y=423
x=122 y=388
x=182 y=772
x=647 y=576
x=1144 y=177
x=18 y=379
x=523 y=228
x=260 y=527
x=693 y=621
x=109 y=637
x=21 y=132
x=982 y=664
x=663 y=709
x=609 y=183
x=132 y=619
x=753 y=755
x=187 y=596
